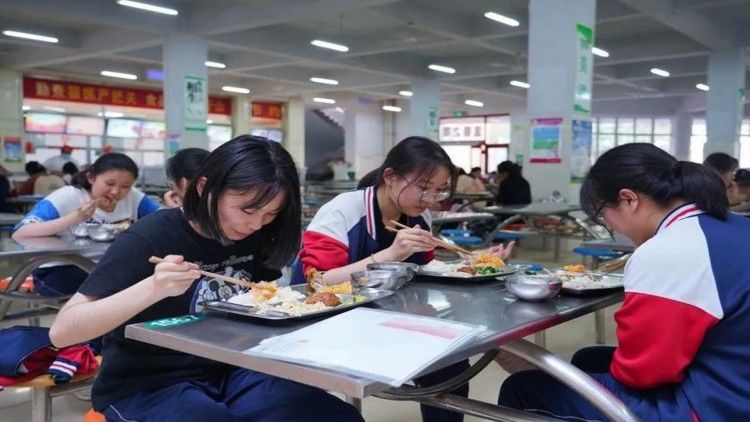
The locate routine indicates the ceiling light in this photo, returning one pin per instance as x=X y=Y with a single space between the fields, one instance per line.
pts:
x=520 y=84
x=599 y=52
x=57 y=109
x=474 y=103
x=26 y=35
x=119 y=75
x=110 y=114
x=148 y=7
x=392 y=108
x=330 y=45
x=324 y=81
x=405 y=93
x=324 y=100
x=340 y=109
x=25 y=108
x=235 y=89
x=215 y=65
x=659 y=72
x=702 y=87
x=502 y=19
x=209 y=121
x=444 y=69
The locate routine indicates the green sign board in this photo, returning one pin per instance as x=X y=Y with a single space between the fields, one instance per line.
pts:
x=459 y=113
x=584 y=69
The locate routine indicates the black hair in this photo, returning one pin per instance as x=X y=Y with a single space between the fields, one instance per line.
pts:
x=512 y=169
x=250 y=163
x=419 y=155
x=742 y=177
x=103 y=164
x=649 y=170
x=721 y=162
x=33 y=167
x=185 y=163
x=70 y=168
x=369 y=179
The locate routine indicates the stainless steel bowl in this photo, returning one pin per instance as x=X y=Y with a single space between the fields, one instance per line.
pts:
x=80 y=230
x=379 y=279
x=533 y=287
x=406 y=270
x=102 y=233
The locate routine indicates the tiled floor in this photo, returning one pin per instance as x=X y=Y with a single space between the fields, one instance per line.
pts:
x=563 y=340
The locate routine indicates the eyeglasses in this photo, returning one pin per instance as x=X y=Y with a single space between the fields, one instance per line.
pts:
x=597 y=217
x=427 y=196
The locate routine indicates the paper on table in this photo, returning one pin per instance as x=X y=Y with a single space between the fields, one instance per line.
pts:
x=384 y=346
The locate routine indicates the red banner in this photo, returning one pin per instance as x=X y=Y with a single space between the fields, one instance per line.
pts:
x=109 y=95
x=273 y=111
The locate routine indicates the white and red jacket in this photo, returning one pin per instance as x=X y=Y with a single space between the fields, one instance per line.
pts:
x=344 y=230
x=684 y=325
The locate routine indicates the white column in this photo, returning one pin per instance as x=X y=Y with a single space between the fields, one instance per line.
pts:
x=560 y=73
x=241 y=115
x=683 y=123
x=425 y=108
x=725 y=101
x=364 y=145
x=186 y=109
x=519 y=137
x=11 y=116
x=294 y=130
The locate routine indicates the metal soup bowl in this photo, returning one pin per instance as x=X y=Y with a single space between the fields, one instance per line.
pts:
x=379 y=279
x=534 y=288
x=407 y=270
x=102 y=233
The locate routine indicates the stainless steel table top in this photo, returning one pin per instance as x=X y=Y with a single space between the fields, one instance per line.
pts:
x=8 y=218
x=537 y=208
x=224 y=339
x=36 y=246
x=620 y=243
x=444 y=217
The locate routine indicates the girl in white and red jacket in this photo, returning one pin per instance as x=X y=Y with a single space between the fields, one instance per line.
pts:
x=683 y=330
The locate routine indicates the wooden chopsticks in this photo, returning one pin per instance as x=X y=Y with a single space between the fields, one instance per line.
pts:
x=441 y=243
x=233 y=280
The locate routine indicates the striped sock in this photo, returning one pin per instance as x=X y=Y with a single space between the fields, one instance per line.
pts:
x=62 y=370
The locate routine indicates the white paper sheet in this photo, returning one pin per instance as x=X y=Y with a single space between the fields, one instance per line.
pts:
x=384 y=346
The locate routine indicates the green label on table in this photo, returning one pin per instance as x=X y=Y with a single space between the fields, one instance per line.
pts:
x=174 y=321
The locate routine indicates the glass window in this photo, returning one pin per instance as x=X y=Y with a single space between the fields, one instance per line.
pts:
x=594 y=125
x=498 y=129
x=625 y=139
x=606 y=142
x=643 y=138
x=698 y=127
x=664 y=142
x=745 y=128
x=625 y=125
x=606 y=125
x=663 y=126
x=696 y=148
x=643 y=126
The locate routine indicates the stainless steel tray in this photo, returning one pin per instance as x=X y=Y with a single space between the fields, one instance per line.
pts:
x=614 y=283
x=370 y=295
x=435 y=276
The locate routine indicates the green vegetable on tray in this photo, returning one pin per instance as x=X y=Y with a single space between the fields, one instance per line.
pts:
x=486 y=270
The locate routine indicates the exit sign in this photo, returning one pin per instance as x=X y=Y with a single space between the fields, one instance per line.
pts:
x=459 y=113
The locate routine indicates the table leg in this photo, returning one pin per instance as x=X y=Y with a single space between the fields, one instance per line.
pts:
x=599 y=324
x=41 y=405
x=540 y=338
x=557 y=248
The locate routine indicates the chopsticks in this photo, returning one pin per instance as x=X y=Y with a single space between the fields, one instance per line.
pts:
x=445 y=245
x=233 y=280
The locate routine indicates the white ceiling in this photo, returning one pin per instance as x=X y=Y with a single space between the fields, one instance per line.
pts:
x=266 y=44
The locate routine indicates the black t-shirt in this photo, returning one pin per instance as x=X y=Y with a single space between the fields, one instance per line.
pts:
x=130 y=366
x=514 y=192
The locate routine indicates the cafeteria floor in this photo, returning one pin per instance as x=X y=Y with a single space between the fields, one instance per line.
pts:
x=563 y=340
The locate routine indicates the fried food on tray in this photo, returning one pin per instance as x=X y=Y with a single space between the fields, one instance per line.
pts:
x=326 y=298
x=488 y=259
x=341 y=288
x=264 y=291
x=576 y=268
x=467 y=269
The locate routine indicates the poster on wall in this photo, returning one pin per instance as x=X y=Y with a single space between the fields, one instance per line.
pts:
x=195 y=104
x=580 y=155
x=545 y=140
x=173 y=144
x=584 y=69
x=433 y=122
x=12 y=149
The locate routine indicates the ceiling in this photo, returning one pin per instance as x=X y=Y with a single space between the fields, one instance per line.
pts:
x=266 y=44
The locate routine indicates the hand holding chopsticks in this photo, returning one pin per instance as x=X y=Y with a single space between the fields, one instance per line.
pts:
x=233 y=280
x=436 y=240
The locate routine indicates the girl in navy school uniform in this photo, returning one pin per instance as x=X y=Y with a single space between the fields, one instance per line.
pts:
x=350 y=232
x=683 y=330
x=241 y=217
x=103 y=193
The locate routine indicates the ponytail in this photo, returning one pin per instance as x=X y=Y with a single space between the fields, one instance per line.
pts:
x=369 y=179
x=651 y=171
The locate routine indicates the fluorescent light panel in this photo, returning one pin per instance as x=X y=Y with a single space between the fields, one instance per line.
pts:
x=28 y=36
x=324 y=81
x=119 y=75
x=235 y=89
x=405 y=93
x=474 y=103
x=57 y=109
x=702 y=87
x=25 y=108
x=215 y=65
x=324 y=100
x=659 y=72
x=148 y=7
x=392 y=108
x=501 y=18
x=520 y=84
x=599 y=52
x=110 y=114
x=441 y=68
x=330 y=45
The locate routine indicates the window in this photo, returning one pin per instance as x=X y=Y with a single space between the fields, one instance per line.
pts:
x=697 y=140
x=608 y=132
x=745 y=144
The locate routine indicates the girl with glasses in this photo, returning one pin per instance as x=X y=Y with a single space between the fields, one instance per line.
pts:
x=683 y=330
x=350 y=232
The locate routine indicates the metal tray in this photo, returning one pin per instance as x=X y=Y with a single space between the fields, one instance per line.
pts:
x=370 y=295
x=434 y=276
x=596 y=290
